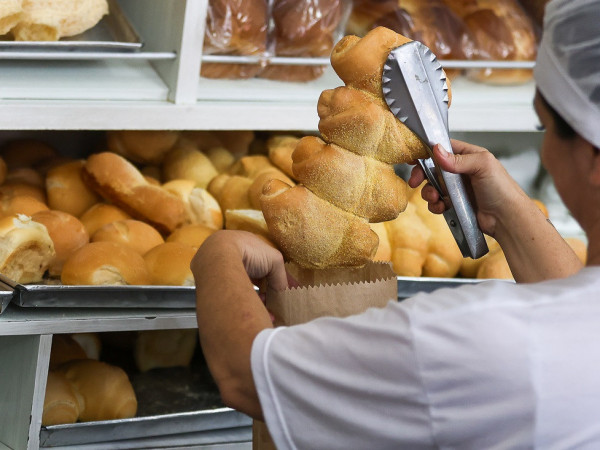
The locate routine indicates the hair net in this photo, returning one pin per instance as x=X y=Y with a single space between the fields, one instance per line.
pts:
x=567 y=71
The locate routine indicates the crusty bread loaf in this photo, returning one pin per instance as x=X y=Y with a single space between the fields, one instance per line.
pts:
x=142 y=146
x=164 y=348
x=200 y=206
x=185 y=161
x=280 y=149
x=100 y=214
x=118 y=181
x=67 y=233
x=236 y=141
x=20 y=204
x=384 y=249
x=220 y=157
x=105 y=389
x=26 y=249
x=359 y=185
x=61 y=404
x=357 y=122
x=169 y=264
x=255 y=189
x=495 y=266
x=135 y=234
x=105 y=263
x=193 y=235
x=250 y=166
x=469 y=267
x=312 y=232
x=231 y=191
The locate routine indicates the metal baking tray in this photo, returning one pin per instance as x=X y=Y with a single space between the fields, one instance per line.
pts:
x=220 y=425
x=114 y=33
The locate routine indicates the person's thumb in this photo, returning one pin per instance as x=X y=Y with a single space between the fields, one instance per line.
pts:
x=453 y=163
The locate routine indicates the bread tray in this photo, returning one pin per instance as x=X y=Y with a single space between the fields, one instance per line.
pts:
x=114 y=33
x=217 y=426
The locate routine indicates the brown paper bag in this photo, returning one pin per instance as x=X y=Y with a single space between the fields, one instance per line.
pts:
x=328 y=292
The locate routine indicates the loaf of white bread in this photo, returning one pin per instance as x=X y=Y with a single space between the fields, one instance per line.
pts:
x=346 y=180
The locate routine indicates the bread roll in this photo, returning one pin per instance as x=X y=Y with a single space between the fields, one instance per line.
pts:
x=469 y=267
x=312 y=232
x=11 y=12
x=139 y=236
x=200 y=206
x=192 y=235
x=67 y=233
x=105 y=263
x=371 y=189
x=220 y=157
x=169 y=264
x=384 y=249
x=66 y=190
x=142 y=146
x=409 y=240
x=20 y=204
x=26 y=249
x=64 y=348
x=495 y=266
x=105 y=389
x=365 y=13
x=247 y=220
x=255 y=189
x=250 y=166
x=13 y=189
x=118 y=181
x=280 y=149
x=357 y=122
x=186 y=162
x=100 y=214
x=236 y=141
x=61 y=404
x=26 y=153
x=164 y=348
x=25 y=175
x=231 y=191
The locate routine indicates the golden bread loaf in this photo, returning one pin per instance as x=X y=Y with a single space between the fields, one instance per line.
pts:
x=220 y=157
x=20 y=204
x=100 y=214
x=384 y=249
x=67 y=233
x=280 y=149
x=13 y=189
x=26 y=249
x=66 y=190
x=469 y=266
x=247 y=220
x=495 y=266
x=120 y=182
x=164 y=348
x=255 y=189
x=371 y=189
x=169 y=264
x=312 y=232
x=105 y=263
x=231 y=191
x=353 y=120
x=185 y=161
x=236 y=141
x=250 y=166
x=105 y=389
x=135 y=234
x=200 y=206
x=61 y=404
x=193 y=235
x=25 y=175
x=142 y=146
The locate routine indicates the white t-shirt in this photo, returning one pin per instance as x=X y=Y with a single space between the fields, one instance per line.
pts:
x=494 y=365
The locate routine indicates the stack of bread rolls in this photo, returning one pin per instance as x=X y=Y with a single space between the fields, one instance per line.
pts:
x=346 y=180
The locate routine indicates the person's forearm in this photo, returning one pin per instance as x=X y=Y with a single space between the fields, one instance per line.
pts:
x=535 y=251
x=230 y=315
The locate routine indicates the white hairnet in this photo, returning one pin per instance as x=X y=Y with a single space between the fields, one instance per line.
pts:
x=567 y=71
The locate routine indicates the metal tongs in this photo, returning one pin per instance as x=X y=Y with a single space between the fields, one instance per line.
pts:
x=415 y=89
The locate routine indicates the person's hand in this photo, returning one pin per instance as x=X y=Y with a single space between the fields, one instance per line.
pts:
x=494 y=190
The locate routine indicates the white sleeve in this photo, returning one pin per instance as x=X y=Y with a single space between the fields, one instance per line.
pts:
x=337 y=383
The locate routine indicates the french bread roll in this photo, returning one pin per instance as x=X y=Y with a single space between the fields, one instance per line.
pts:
x=247 y=220
x=164 y=348
x=384 y=250
x=357 y=122
x=13 y=189
x=200 y=206
x=169 y=264
x=25 y=175
x=495 y=266
x=142 y=146
x=255 y=189
x=20 y=204
x=26 y=249
x=236 y=141
x=137 y=235
x=231 y=191
x=192 y=235
x=220 y=157
x=186 y=162
x=250 y=166
x=26 y=153
x=66 y=190
x=312 y=232
x=409 y=240
x=105 y=389
x=280 y=149
x=100 y=214
x=61 y=405
x=371 y=188
x=105 y=263
x=64 y=348
x=118 y=181
x=11 y=12
x=67 y=233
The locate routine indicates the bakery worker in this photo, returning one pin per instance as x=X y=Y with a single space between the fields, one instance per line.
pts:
x=494 y=365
